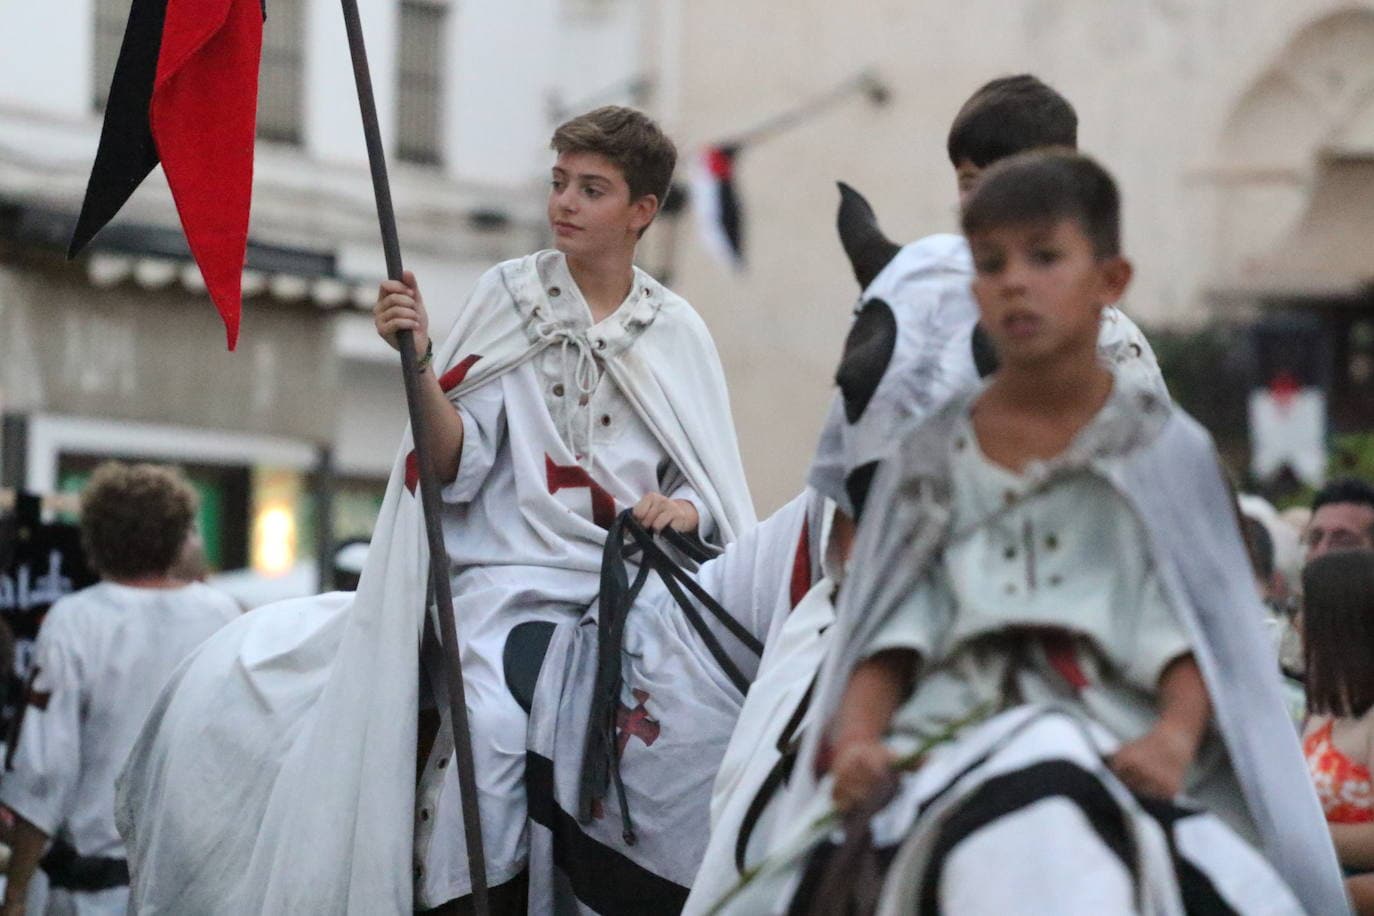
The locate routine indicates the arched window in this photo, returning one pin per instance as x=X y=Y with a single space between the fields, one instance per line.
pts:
x=1314 y=100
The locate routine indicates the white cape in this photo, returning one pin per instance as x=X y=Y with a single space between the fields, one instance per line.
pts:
x=1176 y=487
x=770 y=725
x=277 y=772
x=926 y=286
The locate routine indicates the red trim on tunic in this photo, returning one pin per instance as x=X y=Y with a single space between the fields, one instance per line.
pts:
x=635 y=723
x=447 y=382
x=455 y=376
x=801 y=565
x=1063 y=658
x=412 y=472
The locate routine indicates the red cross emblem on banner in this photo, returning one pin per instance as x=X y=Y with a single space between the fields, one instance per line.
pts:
x=1284 y=388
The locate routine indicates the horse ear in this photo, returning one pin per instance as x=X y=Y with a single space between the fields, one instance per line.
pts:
x=867 y=352
x=868 y=249
x=984 y=353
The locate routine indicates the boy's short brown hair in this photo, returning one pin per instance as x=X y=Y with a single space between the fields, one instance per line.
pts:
x=135 y=519
x=628 y=138
x=1045 y=186
x=1010 y=115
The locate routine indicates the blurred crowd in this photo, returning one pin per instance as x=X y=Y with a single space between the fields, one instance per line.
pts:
x=1314 y=568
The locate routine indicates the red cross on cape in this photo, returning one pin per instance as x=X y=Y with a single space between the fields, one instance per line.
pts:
x=447 y=382
x=635 y=723
x=184 y=94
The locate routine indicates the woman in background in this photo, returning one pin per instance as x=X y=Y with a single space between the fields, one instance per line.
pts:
x=1338 y=739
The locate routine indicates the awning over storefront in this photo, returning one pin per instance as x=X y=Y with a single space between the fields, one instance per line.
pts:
x=1330 y=253
x=157 y=257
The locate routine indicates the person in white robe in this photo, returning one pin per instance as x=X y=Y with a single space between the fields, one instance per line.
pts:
x=549 y=453
x=913 y=346
x=101 y=657
x=547 y=460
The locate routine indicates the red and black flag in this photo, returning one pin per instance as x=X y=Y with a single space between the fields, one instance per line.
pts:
x=717 y=203
x=185 y=94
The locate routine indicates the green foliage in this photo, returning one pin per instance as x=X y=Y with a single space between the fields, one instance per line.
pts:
x=1352 y=455
x=1208 y=373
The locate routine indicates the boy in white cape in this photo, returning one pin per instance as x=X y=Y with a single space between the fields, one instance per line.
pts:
x=617 y=401
x=913 y=346
x=1049 y=604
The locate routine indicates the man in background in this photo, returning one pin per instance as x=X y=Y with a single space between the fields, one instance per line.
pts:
x=1342 y=518
x=100 y=661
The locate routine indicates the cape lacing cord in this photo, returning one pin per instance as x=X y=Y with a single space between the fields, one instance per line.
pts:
x=584 y=376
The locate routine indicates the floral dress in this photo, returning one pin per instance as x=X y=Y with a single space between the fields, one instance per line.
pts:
x=1343 y=785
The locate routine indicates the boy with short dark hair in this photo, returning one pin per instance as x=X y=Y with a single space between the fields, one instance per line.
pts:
x=910 y=349
x=920 y=291
x=574 y=385
x=1051 y=577
x=1046 y=246
x=631 y=142
x=1006 y=116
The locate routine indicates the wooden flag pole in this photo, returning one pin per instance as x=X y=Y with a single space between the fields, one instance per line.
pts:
x=429 y=484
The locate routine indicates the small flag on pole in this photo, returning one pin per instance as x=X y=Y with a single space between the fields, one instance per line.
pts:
x=717 y=205
x=1288 y=429
x=185 y=94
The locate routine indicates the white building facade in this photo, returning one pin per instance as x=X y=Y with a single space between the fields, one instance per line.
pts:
x=1221 y=119
x=119 y=353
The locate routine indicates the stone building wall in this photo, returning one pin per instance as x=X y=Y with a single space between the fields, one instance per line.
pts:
x=1210 y=113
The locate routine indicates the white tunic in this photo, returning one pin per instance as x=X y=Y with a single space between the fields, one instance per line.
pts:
x=101 y=659
x=1164 y=468
x=1069 y=556
x=1026 y=559
x=552 y=451
x=1046 y=593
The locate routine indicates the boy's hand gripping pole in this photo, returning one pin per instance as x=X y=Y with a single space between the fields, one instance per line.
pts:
x=429 y=485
